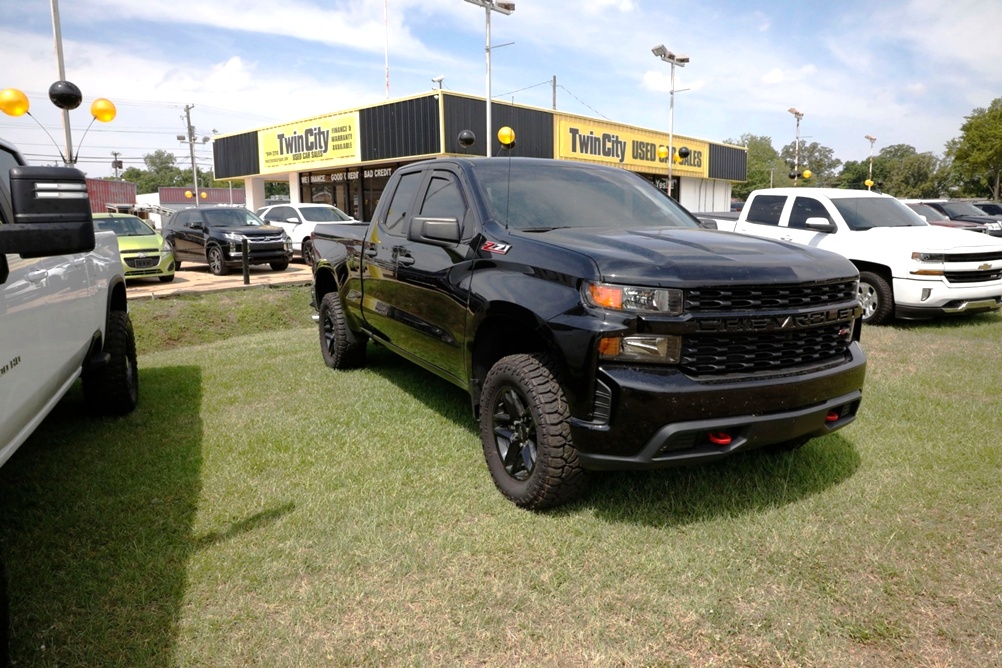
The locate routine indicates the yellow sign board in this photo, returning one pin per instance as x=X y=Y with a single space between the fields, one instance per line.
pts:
x=636 y=150
x=324 y=141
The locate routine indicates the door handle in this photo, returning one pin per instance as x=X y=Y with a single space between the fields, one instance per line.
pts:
x=371 y=251
x=78 y=261
x=405 y=260
x=37 y=276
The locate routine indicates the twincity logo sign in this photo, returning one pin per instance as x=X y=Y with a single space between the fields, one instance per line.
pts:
x=580 y=139
x=325 y=141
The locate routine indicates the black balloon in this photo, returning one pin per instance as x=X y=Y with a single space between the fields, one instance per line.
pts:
x=65 y=95
x=467 y=138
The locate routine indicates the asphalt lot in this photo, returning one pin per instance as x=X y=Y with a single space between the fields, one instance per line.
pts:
x=195 y=278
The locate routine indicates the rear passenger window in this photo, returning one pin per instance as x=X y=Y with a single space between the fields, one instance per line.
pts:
x=804 y=208
x=400 y=205
x=766 y=209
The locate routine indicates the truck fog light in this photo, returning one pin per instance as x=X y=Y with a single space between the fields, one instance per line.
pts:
x=641 y=348
x=925 y=293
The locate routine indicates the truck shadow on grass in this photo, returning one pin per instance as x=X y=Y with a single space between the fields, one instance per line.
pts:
x=96 y=526
x=744 y=483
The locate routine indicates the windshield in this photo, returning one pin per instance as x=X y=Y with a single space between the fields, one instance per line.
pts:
x=540 y=195
x=864 y=213
x=954 y=209
x=323 y=214
x=927 y=212
x=124 y=226
x=230 y=218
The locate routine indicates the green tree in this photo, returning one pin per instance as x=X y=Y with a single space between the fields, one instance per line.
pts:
x=161 y=171
x=978 y=155
x=764 y=168
x=819 y=159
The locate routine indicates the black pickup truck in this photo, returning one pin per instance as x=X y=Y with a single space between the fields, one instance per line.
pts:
x=594 y=323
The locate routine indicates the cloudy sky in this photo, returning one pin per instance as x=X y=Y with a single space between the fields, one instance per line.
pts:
x=906 y=71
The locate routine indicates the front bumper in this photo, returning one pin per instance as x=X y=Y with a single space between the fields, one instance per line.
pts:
x=929 y=298
x=660 y=418
x=258 y=253
x=146 y=265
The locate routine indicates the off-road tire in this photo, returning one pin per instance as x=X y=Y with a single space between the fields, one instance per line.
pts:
x=526 y=435
x=217 y=263
x=341 y=347
x=113 y=388
x=876 y=297
x=279 y=266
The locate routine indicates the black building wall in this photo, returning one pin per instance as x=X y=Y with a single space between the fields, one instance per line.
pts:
x=236 y=156
x=728 y=162
x=400 y=129
x=533 y=128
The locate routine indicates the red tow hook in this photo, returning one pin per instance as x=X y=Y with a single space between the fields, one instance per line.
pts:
x=832 y=416
x=719 y=438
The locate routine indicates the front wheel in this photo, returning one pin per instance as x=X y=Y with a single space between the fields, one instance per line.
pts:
x=341 y=348
x=526 y=435
x=113 y=388
x=167 y=279
x=217 y=263
x=279 y=266
x=876 y=298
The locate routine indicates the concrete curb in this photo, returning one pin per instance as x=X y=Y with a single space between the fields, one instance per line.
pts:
x=196 y=279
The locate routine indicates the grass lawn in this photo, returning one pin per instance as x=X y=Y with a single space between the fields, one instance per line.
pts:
x=259 y=509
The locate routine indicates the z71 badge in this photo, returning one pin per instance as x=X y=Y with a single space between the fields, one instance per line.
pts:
x=495 y=247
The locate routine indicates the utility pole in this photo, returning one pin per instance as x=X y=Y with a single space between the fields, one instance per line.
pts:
x=116 y=163
x=189 y=139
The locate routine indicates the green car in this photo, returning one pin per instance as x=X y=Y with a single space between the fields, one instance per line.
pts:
x=144 y=252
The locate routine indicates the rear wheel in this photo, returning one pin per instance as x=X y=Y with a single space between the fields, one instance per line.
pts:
x=217 y=263
x=341 y=348
x=279 y=266
x=113 y=387
x=876 y=298
x=526 y=436
x=308 y=256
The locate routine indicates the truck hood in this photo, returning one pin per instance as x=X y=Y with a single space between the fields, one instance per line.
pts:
x=927 y=238
x=683 y=257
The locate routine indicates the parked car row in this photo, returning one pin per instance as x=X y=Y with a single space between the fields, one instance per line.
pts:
x=957 y=214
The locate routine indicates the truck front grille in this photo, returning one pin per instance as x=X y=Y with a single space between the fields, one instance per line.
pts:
x=773 y=297
x=764 y=352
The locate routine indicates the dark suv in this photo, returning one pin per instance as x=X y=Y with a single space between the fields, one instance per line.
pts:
x=216 y=236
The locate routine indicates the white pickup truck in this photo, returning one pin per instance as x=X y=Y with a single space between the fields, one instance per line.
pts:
x=62 y=308
x=907 y=268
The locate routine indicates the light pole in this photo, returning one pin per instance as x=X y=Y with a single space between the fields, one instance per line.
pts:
x=489 y=6
x=872 y=140
x=664 y=54
x=796 y=147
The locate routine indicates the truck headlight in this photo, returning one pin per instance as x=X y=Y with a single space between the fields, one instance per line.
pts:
x=633 y=298
x=654 y=349
x=929 y=258
x=233 y=236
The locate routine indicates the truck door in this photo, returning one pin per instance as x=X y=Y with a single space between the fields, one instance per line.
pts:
x=420 y=300
x=761 y=217
x=796 y=229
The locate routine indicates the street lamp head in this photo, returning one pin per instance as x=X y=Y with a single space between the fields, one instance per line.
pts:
x=660 y=51
x=870 y=137
x=506 y=7
x=795 y=112
x=182 y=138
x=438 y=80
x=664 y=54
x=681 y=60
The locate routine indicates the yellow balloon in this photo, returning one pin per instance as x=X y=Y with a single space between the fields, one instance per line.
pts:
x=677 y=158
x=807 y=173
x=103 y=110
x=187 y=193
x=203 y=194
x=506 y=136
x=662 y=152
x=13 y=102
x=868 y=183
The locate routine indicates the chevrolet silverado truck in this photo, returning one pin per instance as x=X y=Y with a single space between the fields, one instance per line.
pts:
x=594 y=323
x=907 y=268
x=62 y=308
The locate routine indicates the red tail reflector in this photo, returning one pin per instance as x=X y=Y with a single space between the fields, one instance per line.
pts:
x=719 y=438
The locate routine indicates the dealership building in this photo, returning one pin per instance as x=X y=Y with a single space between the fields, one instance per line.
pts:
x=345 y=158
